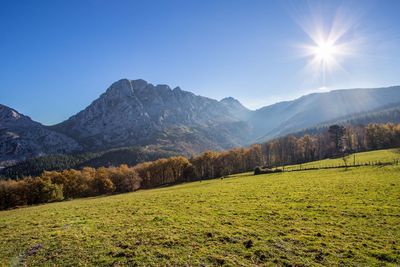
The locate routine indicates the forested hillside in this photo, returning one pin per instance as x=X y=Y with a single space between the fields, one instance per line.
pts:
x=337 y=141
x=115 y=157
x=310 y=110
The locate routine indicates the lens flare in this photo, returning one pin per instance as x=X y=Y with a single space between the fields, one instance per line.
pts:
x=324 y=56
x=324 y=51
x=332 y=41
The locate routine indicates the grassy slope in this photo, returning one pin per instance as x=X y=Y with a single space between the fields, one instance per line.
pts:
x=384 y=156
x=323 y=217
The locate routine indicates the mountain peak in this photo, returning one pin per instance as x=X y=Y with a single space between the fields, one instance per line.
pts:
x=235 y=107
x=229 y=99
x=122 y=87
x=139 y=84
x=22 y=138
x=7 y=113
x=135 y=112
x=232 y=102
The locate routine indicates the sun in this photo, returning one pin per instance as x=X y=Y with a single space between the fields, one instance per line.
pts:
x=329 y=45
x=324 y=55
x=324 y=52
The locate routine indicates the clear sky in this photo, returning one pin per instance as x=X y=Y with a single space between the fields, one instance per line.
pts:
x=58 y=56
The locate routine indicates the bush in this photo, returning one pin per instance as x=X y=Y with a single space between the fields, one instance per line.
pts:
x=260 y=170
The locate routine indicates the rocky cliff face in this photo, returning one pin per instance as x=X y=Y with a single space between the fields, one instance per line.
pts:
x=134 y=112
x=21 y=138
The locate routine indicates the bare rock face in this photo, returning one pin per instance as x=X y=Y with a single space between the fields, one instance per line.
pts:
x=21 y=138
x=134 y=112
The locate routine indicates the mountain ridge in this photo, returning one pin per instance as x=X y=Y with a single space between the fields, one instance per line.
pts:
x=319 y=107
x=134 y=112
x=22 y=138
x=137 y=113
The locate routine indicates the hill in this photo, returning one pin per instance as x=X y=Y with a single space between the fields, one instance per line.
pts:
x=326 y=217
x=386 y=114
x=310 y=110
x=22 y=138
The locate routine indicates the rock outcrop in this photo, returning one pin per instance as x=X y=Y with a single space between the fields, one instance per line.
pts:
x=21 y=138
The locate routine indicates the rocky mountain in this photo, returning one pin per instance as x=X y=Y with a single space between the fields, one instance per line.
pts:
x=21 y=138
x=134 y=112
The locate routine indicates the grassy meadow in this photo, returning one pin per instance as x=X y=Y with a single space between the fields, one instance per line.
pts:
x=362 y=158
x=307 y=218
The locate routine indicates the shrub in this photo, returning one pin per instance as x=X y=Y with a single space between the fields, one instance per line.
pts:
x=260 y=170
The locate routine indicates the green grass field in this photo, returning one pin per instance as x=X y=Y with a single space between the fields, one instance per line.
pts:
x=323 y=217
x=382 y=156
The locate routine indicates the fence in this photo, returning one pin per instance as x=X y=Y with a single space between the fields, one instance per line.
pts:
x=308 y=166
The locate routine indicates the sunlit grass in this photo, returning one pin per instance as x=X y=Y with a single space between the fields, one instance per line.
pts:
x=370 y=157
x=325 y=217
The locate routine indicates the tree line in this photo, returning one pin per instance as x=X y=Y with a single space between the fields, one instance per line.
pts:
x=53 y=186
x=59 y=185
x=113 y=157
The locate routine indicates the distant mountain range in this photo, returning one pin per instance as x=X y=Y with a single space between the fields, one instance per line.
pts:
x=134 y=113
x=310 y=110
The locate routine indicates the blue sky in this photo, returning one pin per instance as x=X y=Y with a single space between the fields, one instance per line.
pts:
x=58 y=56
